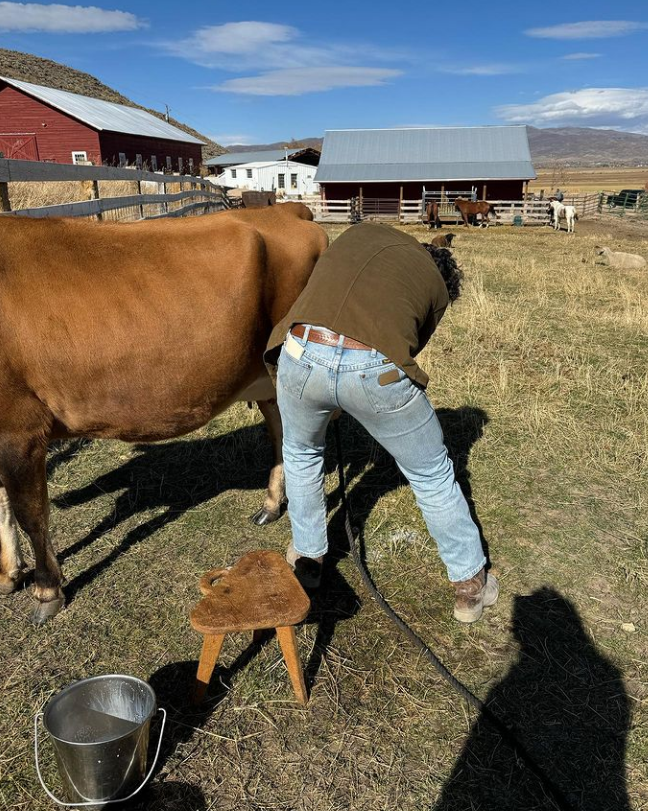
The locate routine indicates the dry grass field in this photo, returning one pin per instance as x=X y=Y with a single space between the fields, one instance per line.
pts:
x=539 y=374
x=589 y=180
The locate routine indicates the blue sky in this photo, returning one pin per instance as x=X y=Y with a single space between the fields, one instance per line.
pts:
x=242 y=73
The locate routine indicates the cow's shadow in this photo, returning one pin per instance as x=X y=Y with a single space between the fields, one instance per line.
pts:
x=568 y=707
x=178 y=476
x=172 y=476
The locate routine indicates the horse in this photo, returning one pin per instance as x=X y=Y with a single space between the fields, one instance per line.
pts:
x=432 y=214
x=562 y=211
x=136 y=331
x=469 y=209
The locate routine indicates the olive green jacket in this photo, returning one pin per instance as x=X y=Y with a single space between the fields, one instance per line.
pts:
x=377 y=285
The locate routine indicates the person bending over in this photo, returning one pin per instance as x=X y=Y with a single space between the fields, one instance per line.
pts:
x=349 y=342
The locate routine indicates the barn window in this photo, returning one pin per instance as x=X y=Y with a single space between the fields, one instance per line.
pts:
x=191 y=166
x=138 y=161
x=154 y=163
x=180 y=165
x=293 y=181
x=249 y=172
x=122 y=159
x=169 y=163
x=233 y=171
x=281 y=181
x=79 y=157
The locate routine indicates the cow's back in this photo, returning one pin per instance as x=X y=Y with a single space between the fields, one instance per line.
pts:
x=139 y=330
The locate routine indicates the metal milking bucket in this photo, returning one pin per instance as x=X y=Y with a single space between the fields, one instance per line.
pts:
x=99 y=728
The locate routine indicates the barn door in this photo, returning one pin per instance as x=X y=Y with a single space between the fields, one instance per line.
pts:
x=21 y=147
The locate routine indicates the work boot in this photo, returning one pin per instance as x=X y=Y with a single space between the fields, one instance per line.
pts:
x=307 y=570
x=472 y=596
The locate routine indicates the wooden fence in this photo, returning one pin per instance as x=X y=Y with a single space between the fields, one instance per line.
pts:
x=152 y=200
x=509 y=212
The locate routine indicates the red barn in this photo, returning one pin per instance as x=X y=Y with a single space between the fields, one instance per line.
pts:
x=44 y=124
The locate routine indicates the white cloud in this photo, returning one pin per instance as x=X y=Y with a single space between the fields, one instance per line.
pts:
x=227 y=140
x=60 y=19
x=281 y=61
x=614 y=107
x=581 y=56
x=297 y=81
x=254 y=45
x=494 y=69
x=592 y=29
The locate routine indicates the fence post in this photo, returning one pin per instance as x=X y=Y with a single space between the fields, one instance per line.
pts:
x=5 y=205
x=95 y=196
x=141 y=207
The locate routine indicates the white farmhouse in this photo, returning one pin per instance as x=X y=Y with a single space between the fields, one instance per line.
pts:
x=285 y=177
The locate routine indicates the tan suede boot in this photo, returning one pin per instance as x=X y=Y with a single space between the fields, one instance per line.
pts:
x=472 y=596
x=307 y=570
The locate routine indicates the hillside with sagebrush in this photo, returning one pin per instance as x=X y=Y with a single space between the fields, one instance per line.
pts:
x=34 y=69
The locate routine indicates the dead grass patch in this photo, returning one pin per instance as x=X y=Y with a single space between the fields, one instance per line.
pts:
x=539 y=377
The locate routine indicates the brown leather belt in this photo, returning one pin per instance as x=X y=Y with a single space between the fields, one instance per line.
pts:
x=326 y=338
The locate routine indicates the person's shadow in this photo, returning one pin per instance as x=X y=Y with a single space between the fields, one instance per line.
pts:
x=567 y=705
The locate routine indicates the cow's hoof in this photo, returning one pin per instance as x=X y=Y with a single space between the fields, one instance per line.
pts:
x=10 y=584
x=263 y=517
x=45 y=611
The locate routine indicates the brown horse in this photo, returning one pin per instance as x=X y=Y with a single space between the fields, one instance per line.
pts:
x=140 y=332
x=469 y=210
x=432 y=214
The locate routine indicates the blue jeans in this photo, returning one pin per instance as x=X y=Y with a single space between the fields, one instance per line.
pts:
x=398 y=416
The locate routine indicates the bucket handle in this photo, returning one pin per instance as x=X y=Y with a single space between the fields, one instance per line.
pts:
x=39 y=716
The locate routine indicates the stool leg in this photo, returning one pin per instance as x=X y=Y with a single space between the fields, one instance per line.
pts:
x=288 y=641
x=209 y=655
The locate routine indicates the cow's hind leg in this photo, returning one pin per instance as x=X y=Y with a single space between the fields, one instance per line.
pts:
x=275 y=499
x=23 y=472
x=12 y=566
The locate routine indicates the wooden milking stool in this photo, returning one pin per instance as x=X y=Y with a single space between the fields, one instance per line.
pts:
x=259 y=592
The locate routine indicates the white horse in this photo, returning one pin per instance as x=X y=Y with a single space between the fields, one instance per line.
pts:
x=566 y=212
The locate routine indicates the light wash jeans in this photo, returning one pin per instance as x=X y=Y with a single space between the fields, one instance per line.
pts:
x=398 y=416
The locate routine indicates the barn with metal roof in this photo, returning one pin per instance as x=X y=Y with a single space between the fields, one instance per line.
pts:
x=46 y=124
x=410 y=162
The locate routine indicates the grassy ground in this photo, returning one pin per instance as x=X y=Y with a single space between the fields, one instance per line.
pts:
x=539 y=377
x=573 y=180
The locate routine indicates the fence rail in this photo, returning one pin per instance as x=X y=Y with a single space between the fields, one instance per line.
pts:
x=524 y=212
x=149 y=203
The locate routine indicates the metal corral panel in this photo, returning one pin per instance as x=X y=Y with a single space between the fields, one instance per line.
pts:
x=104 y=115
x=453 y=153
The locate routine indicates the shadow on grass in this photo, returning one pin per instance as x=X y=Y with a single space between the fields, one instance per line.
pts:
x=178 y=476
x=173 y=795
x=568 y=707
x=172 y=475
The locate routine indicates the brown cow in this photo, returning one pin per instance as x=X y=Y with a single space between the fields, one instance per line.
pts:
x=432 y=214
x=139 y=332
x=469 y=210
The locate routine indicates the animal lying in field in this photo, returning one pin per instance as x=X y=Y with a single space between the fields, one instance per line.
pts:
x=432 y=214
x=470 y=209
x=560 y=211
x=443 y=240
x=140 y=332
x=618 y=260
